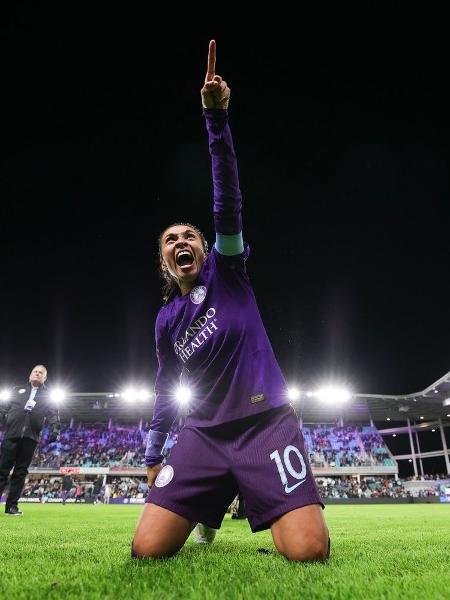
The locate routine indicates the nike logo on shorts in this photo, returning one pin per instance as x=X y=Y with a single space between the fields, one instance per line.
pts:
x=288 y=489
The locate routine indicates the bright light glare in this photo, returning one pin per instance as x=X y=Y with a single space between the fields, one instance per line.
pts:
x=333 y=395
x=183 y=395
x=129 y=395
x=5 y=395
x=57 y=395
x=293 y=393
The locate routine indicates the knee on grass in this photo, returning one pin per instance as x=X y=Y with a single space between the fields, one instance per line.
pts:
x=306 y=550
x=142 y=549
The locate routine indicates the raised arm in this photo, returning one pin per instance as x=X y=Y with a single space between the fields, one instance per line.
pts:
x=227 y=194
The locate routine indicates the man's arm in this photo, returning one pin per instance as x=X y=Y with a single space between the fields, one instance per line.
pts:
x=227 y=194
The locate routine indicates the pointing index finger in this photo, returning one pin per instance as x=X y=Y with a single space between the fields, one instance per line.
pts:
x=211 y=61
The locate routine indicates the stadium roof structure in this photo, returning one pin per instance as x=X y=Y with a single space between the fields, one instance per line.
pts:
x=430 y=404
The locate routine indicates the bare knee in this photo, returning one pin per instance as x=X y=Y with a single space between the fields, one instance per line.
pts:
x=301 y=534
x=313 y=548
x=160 y=533
x=143 y=547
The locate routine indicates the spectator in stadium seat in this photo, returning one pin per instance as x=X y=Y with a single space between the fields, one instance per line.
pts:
x=25 y=413
x=240 y=434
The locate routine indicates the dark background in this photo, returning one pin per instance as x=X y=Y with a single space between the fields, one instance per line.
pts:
x=341 y=125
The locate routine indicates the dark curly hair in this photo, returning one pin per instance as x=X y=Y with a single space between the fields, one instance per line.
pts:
x=170 y=284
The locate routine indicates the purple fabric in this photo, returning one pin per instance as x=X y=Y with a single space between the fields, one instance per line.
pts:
x=227 y=194
x=215 y=333
x=153 y=449
x=222 y=343
x=208 y=466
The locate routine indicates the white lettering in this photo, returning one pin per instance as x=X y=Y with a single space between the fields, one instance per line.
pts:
x=197 y=327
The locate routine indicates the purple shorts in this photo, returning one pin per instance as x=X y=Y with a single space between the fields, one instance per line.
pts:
x=262 y=456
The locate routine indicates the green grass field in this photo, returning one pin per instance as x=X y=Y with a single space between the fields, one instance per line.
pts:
x=386 y=551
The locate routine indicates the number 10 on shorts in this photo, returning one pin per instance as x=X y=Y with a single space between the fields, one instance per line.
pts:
x=300 y=476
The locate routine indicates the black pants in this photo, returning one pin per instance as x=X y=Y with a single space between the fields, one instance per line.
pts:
x=17 y=453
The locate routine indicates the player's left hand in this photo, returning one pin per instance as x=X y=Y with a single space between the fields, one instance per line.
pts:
x=152 y=473
x=215 y=91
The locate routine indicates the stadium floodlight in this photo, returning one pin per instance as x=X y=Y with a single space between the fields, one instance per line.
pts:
x=433 y=430
x=57 y=395
x=293 y=393
x=129 y=394
x=5 y=395
x=309 y=394
x=144 y=395
x=183 y=395
x=333 y=395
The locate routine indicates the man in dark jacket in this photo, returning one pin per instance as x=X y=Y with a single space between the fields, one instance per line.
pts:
x=24 y=413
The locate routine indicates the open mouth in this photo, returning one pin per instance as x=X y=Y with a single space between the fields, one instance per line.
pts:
x=184 y=258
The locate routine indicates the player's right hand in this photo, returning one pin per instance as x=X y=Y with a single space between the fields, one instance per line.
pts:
x=215 y=91
x=152 y=473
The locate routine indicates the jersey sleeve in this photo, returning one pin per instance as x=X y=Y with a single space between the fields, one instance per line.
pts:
x=226 y=190
x=166 y=408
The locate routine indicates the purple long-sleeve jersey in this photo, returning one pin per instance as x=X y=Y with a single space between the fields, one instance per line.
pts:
x=215 y=333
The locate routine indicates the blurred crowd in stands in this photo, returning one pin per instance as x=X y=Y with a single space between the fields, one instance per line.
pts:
x=370 y=487
x=116 y=446
x=92 y=446
x=47 y=488
x=100 y=445
x=350 y=446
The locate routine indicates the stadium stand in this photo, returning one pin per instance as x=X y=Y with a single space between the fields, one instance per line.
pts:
x=103 y=436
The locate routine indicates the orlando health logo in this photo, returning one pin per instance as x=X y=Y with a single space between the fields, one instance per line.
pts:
x=196 y=335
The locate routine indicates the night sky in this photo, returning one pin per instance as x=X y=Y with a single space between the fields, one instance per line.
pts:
x=343 y=149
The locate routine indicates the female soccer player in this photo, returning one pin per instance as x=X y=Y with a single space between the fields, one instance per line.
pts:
x=241 y=434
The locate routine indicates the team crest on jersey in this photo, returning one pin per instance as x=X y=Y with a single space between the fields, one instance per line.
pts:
x=198 y=294
x=165 y=476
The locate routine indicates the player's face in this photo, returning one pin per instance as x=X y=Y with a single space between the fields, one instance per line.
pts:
x=38 y=375
x=182 y=255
